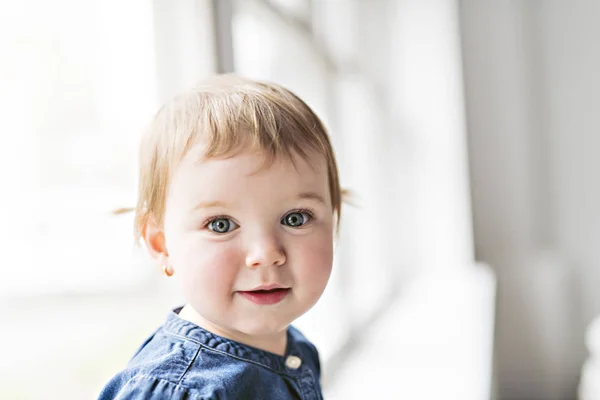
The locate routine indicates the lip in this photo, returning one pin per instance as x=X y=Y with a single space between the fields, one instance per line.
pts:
x=266 y=296
x=269 y=286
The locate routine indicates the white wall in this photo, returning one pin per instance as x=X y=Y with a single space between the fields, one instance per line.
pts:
x=571 y=58
x=532 y=99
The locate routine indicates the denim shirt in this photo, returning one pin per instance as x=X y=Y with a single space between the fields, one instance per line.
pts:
x=183 y=361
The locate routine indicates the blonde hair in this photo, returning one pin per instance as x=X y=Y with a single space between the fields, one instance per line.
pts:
x=227 y=112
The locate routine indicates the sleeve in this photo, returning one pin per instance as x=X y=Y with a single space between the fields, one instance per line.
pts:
x=147 y=388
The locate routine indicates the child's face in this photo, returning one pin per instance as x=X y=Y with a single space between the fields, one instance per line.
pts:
x=233 y=225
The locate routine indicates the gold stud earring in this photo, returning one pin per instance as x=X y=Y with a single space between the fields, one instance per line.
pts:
x=167 y=271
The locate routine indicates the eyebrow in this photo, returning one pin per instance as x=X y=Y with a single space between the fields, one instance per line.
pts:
x=303 y=195
x=312 y=196
x=209 y=204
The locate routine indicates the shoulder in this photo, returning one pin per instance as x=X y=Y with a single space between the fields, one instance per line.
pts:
x=157 y=371
x=171 y=367
x=126 y=386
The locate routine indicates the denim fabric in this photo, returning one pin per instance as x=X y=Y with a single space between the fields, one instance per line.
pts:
x=183 y=361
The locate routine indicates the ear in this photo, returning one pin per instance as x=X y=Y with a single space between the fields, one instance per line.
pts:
x=154 y=237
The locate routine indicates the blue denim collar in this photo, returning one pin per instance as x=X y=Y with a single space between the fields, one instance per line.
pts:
x=189 y=331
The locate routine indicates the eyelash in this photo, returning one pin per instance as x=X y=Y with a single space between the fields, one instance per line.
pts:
x=306 y=211
x=214 y=218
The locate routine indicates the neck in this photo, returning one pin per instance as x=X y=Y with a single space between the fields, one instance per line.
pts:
x=275 y=343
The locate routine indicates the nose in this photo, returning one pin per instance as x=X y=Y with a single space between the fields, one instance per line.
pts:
x=265 y=251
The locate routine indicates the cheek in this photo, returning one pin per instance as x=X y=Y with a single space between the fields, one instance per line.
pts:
x=313 y=259
x=208 y=269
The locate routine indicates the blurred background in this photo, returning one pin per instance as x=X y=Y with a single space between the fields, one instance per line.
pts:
x=468 y=268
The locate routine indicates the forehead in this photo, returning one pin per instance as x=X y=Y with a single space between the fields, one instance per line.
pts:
x=249 y=171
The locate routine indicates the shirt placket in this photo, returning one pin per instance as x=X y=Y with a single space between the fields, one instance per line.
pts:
x=304 y=377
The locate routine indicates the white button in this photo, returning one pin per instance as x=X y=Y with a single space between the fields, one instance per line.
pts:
x=293 y=362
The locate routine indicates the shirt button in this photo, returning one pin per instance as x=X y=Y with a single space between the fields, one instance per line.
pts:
x=293 y=362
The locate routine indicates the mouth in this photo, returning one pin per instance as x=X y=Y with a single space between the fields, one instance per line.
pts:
x=266 y=296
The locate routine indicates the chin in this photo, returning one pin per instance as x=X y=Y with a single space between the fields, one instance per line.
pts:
x=264 y=326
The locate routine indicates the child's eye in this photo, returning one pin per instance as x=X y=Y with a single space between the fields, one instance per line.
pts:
x=296 y=219
x=222 y=225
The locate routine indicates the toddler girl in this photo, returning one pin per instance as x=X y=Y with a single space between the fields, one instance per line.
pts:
x=239 y=200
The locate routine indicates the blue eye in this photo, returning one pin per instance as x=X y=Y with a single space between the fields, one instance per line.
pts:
x=222 y=225
x=296 y=219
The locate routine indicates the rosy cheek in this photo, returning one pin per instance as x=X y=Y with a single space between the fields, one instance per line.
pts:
x=220 y=262
x=316 y=256
x=210 y=268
